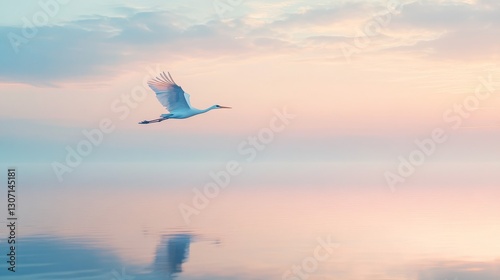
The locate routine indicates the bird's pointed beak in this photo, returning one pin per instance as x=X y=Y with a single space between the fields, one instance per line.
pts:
x=224 y=107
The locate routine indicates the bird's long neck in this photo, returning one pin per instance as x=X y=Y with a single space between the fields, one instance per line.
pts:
x=206 y=110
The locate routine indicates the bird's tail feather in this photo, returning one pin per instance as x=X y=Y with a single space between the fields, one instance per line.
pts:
x=162 y=118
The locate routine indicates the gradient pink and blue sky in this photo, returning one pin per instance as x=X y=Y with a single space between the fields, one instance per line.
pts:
x=325 y=172
x=258 y=56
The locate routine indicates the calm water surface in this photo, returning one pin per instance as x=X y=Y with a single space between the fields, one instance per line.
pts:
x=299 y=231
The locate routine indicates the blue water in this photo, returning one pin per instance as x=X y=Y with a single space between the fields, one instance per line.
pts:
x=277 y=230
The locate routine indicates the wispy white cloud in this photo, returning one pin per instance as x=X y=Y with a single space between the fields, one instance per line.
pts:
x=90 y=47
x=464 y=31
x=94 y=45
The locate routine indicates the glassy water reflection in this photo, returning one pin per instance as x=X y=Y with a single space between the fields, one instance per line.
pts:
x=260 y=233
x=171 y=253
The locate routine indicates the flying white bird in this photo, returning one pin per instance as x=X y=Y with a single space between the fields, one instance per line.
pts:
x=172 y=97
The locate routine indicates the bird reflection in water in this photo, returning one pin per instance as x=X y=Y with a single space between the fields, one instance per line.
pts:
x=171 y=253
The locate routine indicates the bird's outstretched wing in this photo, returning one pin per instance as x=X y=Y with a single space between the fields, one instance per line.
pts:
x=170 y=95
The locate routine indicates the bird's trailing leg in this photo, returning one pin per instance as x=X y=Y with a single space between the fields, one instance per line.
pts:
x=153 y=121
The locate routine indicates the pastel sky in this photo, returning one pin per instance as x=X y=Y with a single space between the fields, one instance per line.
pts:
x=364 y=79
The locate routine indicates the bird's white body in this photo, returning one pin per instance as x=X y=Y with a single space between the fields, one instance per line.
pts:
x=174 y=99
x=184 y=114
